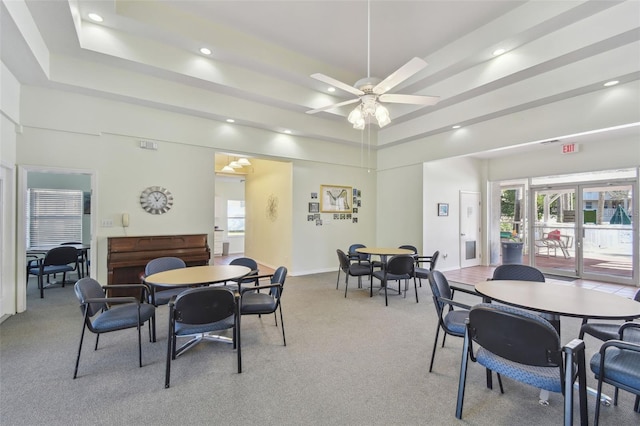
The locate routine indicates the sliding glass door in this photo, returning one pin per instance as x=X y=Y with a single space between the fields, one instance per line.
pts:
x=585 y=230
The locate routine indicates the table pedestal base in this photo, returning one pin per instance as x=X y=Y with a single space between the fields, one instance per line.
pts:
x=197 y=338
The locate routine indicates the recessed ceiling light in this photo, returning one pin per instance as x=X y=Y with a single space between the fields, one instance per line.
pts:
x=230 y=120
x=95 y=17
x=499 y=52
x=331 y=89
x=288 y=131
x=611 y=83
x=205 y=51
x=457 y=126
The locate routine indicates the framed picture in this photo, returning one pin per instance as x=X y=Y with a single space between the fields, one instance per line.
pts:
x=314 y=207
x=335 y=198
x=443 y=209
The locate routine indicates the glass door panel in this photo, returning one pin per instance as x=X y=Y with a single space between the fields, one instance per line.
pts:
x=553 y=243
x=607 y=232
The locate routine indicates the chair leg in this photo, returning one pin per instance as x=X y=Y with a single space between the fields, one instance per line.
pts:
x=346 y=285
x=75 y=371
x=386 y=300
x=97 y=338
x=415 y=287
x=139 y=345
x=435 y=344
x=463 y=376
x=282 y=325
x=338 y=279
x=170 y=355
x=238 y=342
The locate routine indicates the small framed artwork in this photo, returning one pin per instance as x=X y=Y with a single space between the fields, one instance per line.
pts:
x=334 y=198
x=310 y=218
x=443 y=209
x=314 y=195
x=314 y=207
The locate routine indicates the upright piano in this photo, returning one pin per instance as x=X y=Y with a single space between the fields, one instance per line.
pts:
x=128 y=256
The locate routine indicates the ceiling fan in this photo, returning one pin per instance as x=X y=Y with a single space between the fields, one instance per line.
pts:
x=371 y=91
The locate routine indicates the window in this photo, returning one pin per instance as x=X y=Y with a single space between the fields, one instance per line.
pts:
x=235 y=217
x=54 y=216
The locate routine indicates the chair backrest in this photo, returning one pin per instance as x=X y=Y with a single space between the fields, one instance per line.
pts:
x=636 y=297
x=515 y=334
x=204 y=305
x=245 y=261
x=162 y=264
x=434 y=259
x=61 y=256
x=400 y=264
x=344 y=260
x=353 y=252
x=88 y=288
x=279 y=276
x=439 y=288
x=518 y=272
x=410 y=247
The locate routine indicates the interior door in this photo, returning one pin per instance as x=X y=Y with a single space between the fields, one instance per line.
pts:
x=470 y=232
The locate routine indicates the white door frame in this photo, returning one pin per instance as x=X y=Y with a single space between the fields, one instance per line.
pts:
x=21 y=225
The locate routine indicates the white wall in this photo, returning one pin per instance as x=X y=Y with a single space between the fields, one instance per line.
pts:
x=443 y=182
x=314 y=247
x=9 y=119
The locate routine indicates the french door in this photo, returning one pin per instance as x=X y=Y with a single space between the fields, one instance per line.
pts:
x=585 y=230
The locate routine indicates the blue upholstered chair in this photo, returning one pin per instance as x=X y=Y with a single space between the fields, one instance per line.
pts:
x=362 y=258
x=520 y=272
x=451 y=314
x=253 y=302
x=525 y=347
x=162 y=264
x=351 y=269
x=398 y=268
x=104 y=314
x=424 y=265
x=197 y=311
x=58 y=260
x=618 y=364
x=249 y=278
x=607 y=330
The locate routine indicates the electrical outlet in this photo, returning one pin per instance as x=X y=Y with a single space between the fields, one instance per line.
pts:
x=107 y=223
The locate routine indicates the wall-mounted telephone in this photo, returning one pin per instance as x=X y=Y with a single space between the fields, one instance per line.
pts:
x=125 y=220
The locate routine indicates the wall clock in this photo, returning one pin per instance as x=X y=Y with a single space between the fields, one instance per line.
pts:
x=156 y=200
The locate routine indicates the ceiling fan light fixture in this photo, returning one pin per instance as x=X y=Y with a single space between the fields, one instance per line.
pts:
x=356 y=115
x=359 y=125
x=244 y=162
x=382 y=115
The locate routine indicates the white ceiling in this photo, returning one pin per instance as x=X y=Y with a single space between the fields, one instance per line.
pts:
x=265 y=51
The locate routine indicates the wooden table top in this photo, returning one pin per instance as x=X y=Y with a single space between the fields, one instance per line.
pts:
x=560 y=299
x=195 y=275
x=384 y=251
x=44 y=249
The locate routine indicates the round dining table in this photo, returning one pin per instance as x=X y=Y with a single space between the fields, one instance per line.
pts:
x=197 y=275
x=564 y=300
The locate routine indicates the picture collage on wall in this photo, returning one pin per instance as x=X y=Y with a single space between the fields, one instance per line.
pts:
x=334 y=200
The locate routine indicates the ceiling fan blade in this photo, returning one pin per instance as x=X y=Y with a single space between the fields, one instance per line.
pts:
x=409 y=99
x=350 y=101
x=401 y=74
x=337 y=84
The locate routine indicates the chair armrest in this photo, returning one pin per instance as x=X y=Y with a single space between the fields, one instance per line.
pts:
x=574 y=346
x=626 y=325
x=620 y=344
x=125 y=299
x=453 y=303
x=146 y=291
x=260 y=287
x=465 y=290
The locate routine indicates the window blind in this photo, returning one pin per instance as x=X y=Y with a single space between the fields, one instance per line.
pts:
x=54 y=216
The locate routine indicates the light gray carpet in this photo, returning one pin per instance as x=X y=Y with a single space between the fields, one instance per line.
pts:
x=348 y=361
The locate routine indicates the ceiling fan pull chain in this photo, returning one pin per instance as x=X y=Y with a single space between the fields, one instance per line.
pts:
x=368 y=38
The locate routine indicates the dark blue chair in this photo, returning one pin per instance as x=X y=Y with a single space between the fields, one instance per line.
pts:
x=58 y=260
x=162 y=264
x=605 y=330
x=253 y=302
x=398 y=268
x=451 y=314
x=249 y=278
x=197 y=311
x=618 y=364
x=523 y=346
x=104 y=314
x=351 y=269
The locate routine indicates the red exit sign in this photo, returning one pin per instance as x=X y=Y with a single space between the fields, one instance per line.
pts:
x=570 y=148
